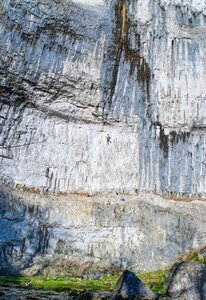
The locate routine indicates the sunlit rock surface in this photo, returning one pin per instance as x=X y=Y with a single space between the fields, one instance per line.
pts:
x=72 y=72
x=59 y=235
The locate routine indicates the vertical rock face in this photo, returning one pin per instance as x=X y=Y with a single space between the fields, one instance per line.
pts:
x=72 y=72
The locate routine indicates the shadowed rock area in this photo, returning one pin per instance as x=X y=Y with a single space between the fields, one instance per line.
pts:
x=129 y=286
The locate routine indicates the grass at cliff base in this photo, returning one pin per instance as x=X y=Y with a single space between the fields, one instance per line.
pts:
x=154 y=280
x=76 y=284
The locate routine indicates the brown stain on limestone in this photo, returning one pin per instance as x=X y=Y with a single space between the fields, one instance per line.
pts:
x=123 y=15
x=138 y=63
x=120 y=14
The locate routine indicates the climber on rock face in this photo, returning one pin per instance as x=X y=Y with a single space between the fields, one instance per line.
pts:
x=108 y=137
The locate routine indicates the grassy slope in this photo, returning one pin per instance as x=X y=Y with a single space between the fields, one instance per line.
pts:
x=154 y=280
x=76 y=284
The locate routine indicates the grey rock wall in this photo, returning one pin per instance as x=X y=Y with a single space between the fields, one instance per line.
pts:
x=49 y=235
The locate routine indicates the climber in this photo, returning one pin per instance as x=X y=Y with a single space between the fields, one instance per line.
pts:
x=108 y=137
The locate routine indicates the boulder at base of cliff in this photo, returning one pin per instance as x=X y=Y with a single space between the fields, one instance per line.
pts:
x=186 y=281
x=129 y=286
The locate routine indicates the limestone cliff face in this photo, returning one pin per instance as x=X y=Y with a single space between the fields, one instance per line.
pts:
x=72 y=72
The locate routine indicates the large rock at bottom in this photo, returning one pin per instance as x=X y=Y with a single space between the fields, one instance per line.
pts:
x=186 y=281
x=129 y=286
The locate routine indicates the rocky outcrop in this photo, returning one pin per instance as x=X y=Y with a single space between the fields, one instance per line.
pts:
x=186 y=281
x=129 y=286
